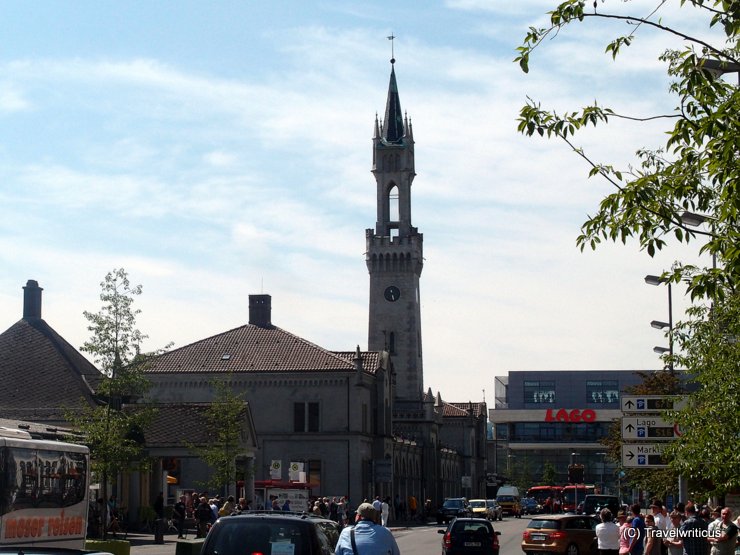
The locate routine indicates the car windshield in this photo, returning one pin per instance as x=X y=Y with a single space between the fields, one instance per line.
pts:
x=239 y=537
x=505 y=498
x=475 y=504
x=544 y=524
x=491 y=503
x=453 y=503
x=472 y=527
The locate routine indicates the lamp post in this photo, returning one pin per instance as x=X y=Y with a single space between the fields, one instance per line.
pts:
x=657 y=324
x=575 y=489
x=695 y=220
x=603 y=464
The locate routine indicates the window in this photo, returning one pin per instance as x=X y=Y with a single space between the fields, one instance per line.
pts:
x=539 y=392
x=602 y=392
x=305 y=417
x=314 y=474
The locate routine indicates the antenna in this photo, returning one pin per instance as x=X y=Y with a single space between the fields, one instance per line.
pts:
x=391 y=37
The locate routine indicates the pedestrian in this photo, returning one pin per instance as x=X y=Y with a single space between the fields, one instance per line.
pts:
x=725 y=535
x=607 y=534
x=625 y=536
x=203 y=516
x=367 y=536
x=228 y=507
x=673 y=542
x=286 y=506
x=638 y=546
x=653 y=543
x=178 y=516
x=385 y=510
x=693 y=531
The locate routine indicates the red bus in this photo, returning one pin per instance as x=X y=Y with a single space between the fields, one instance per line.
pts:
x=541 y=493
x=574 y=494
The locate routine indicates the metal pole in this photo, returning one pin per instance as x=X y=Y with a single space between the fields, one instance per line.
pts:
x=670 y=328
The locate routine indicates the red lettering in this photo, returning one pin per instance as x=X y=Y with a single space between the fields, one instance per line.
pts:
x=574 y=415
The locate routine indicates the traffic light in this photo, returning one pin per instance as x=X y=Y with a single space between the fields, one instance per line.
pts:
x=575 y=473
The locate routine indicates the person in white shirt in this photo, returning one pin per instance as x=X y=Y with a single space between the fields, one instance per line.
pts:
x=607 y=534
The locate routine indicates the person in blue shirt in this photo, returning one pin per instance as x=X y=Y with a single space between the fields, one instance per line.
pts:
x=367 y=536
x=638 y=543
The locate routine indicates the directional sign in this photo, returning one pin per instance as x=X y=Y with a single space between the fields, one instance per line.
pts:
x=650 y=403
x=648 y=427
x=643 y=455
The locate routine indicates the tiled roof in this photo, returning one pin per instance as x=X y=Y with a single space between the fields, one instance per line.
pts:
x=41 y=373
x=175 y=425
x=252 y=348
x=461 y=409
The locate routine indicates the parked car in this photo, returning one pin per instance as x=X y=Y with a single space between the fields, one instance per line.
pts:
x=453 y=507
x=470 y=536
x=260 y=532
x=530 y=506
x=495 y=512
x=567 y=534
x=510 y=504
x=593 y=504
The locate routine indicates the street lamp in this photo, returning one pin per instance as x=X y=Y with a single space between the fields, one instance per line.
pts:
x=695 y=220
x=603 y=464
x=718 y=67
x=657 y=280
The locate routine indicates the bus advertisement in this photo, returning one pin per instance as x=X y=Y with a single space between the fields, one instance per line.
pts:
x=543 y=493
x=44 y=491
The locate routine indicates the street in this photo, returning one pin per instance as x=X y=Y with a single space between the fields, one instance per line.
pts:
x=416 y=540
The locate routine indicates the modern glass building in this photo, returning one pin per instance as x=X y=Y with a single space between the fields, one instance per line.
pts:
x=557 y=417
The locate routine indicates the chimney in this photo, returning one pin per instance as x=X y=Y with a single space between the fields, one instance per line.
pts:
x=260 y=309
x=32 y=300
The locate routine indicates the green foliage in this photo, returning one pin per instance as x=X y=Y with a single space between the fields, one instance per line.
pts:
x=114 y=434
x=225 y=421
x=549 y=474
x=707 y=452
x=695 y=170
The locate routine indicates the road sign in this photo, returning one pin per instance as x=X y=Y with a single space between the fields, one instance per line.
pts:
x=648 y=427
x=650 y=403
x=643 y=455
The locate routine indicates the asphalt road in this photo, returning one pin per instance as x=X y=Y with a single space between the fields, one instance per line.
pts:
x=412 y=540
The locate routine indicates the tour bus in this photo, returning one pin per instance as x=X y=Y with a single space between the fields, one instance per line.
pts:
x=44 y=491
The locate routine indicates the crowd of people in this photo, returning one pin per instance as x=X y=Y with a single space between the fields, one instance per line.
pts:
x=687 y=530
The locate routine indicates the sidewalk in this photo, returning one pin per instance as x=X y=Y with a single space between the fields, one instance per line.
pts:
x=143 y=544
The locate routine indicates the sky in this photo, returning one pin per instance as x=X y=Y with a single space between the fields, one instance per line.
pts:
x=220 y=149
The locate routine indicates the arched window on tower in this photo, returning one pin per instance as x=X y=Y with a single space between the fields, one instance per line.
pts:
x=393 y=213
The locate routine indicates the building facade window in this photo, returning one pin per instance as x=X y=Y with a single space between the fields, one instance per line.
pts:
x=556 y=431
x=539 y=392
x=306 y=417
x=602 y=392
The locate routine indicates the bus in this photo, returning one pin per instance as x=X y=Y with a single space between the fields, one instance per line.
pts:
x=542 y=493
x=575 y=494
x=44 y=491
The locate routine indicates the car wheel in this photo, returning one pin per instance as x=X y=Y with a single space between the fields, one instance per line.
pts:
x=572 y=549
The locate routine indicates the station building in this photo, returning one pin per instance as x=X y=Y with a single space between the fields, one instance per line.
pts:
x=558 y=417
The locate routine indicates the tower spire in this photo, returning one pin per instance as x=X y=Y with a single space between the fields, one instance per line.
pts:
x=393 y=128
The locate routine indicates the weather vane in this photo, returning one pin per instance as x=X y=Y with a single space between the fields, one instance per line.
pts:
x=393 y=57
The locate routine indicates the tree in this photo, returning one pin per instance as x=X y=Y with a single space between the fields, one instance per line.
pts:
x=695 y=171
x=549 y=475
x=224 y=425
x=114 y=435
x=710 y=345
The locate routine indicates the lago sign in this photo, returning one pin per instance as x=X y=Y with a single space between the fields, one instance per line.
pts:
x=648 y=427
x=572 y=415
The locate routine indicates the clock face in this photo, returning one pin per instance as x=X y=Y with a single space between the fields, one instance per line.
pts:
x=392 y=293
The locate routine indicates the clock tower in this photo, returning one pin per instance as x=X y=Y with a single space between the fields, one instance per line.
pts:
x=394 y=251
